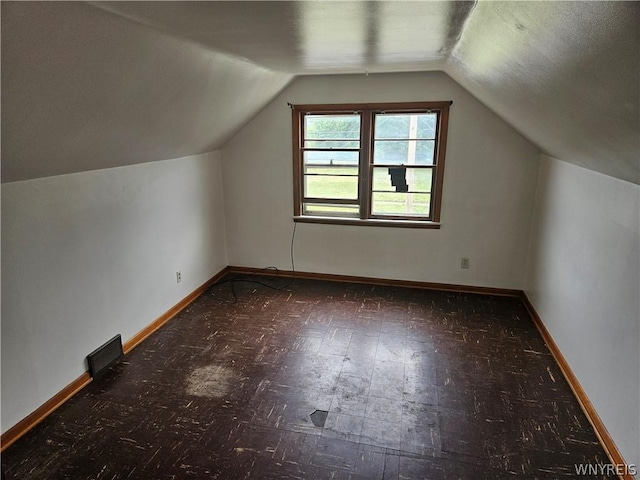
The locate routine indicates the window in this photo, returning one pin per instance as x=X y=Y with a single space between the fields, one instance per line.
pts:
x=374 y=164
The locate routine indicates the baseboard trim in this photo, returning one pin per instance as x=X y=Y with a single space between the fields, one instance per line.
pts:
x=42 y=412
x=139 y=337
x=38 y=415
x=504 y=292
x=603 y=435
x=23 y=426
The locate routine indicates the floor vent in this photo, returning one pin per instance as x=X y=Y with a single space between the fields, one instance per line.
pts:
x=103 y=357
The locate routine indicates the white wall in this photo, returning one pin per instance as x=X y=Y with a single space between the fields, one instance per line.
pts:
x=89 y=255
x=489 y=188
x=583 y=278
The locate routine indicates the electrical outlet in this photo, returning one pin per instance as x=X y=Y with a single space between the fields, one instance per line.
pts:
x=464 y=262
x=178 y=276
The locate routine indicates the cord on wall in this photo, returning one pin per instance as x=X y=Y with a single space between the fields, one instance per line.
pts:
x=253 y=277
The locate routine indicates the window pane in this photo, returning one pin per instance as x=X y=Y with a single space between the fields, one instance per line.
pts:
x=331 y=209
x=399 y=179
x=336 y=157
x=337 y=170
x=330 y=186
x=408 y=125
x=427 y=125
x=332 y=127
x=331 y=144
x=402 y=204
x=403 y=152
x=389 y=174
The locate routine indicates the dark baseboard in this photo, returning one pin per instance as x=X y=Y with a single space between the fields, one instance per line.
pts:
x=22 y=427
x=603 y=435
x=139 y=337
x=378 y=281
x=615 y=457
x=42 y=412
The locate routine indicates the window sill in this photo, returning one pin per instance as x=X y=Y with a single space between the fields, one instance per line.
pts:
x=373 y=222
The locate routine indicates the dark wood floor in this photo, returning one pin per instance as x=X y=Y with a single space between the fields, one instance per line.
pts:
x=417 y=384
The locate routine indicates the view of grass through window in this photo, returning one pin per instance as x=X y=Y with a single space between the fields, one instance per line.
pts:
x=331 y=163
x=369 y=163
x=331 y=159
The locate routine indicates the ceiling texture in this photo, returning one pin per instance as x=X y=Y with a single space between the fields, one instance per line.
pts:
x=102 y=84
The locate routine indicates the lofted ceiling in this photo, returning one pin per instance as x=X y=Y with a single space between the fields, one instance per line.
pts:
x=564 y=74
x=88 y=86
x=83 y=89
x=314 y=37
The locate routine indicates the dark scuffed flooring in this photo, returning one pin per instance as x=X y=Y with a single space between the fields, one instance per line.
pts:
x=417 y=385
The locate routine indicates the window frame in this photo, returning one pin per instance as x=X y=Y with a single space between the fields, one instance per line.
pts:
x=367 y=113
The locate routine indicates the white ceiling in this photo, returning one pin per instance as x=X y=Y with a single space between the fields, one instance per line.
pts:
x=83 y=89
x=312 y=37
x=564 y=74
x=86 y=87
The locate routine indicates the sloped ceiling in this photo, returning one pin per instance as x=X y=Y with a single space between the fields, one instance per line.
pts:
x=114 y=83
x=565 y=74
x=83 y=89
x=314 y=37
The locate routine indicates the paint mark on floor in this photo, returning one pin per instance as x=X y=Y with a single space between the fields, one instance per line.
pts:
x=319 y=417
